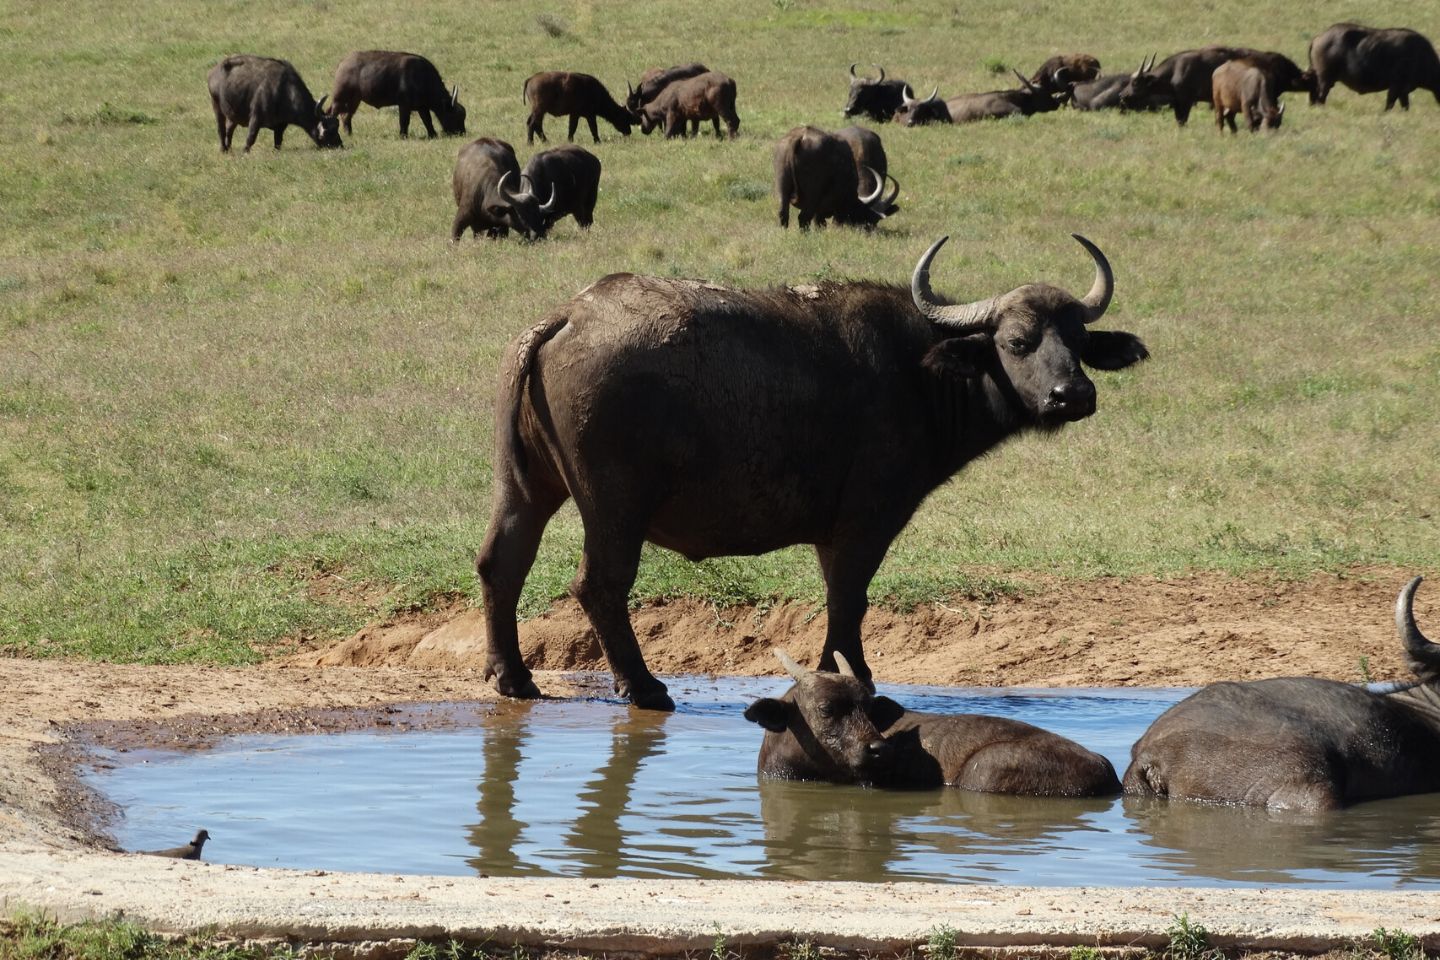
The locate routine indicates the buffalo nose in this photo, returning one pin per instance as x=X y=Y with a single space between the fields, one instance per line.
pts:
x=1075 y=396
x=878 y=751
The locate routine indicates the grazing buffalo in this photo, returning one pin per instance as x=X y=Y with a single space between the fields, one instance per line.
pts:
x=1299 y=742
x=969 y=107
x=385 y=78
x=263 y=92
x=709 y=96
x=570 y=177
x=487 y=193
x=657 y=79
x=1061 y=72
x=871 y=164
x=1183 y=79
x=1367 y=60
x=829 y=726
x=816 y=172
x=1240 y=87
x=877 y=99
x=576 y=95
x=718 y=422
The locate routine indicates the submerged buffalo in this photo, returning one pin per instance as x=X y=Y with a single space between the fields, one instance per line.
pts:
x=488 y=194
x=1299 y=742
x=576 y=95
x=1367 y=60
x=816 y=172
x=570 y=177
x=829 y=726
x=261 y=92
x=1239 y=87
x=718 y=422
x=387 y=78
x=877 y=98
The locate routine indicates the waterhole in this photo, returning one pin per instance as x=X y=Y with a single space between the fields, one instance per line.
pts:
x=592 y=788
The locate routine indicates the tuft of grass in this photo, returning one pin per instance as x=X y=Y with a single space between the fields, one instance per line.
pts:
x=942 y=943
x=1397 y=944
x=1085 y=953
x=552 y=26
x=1188 y=940
x=800 y=950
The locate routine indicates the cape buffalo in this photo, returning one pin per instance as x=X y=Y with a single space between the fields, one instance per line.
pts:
x=264 y=92
x=816 y=172
x=386 y=78
x=1368 y=60
x=829 y=726
x=709 y=96
x=871 y=164
x=570 y=177
x=968 y=107
x=877 y=99
x=1183 y=78
x=560 y=93
x=719 y=422
x=657 y=79
x=1240 y=87
x=1061 y=72
x=1299 y=742
x=487 y=196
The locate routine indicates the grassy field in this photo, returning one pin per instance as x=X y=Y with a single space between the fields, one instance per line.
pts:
x=223 y=375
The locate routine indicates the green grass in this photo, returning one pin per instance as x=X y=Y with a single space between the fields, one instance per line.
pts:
x=222 y=377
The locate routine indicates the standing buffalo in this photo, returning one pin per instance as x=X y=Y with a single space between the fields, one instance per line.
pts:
x=570 y=177
x=1061 y=72
x=720 y=422
x=829 y=726
x=486 y=182
x=1300 y=742
x=385 y=78
x=263 y=92
x=877 y=99
x=576 y=95
x=1183 y=78
x=816 y=172
x=969 y=107
x=657 y=79
x=1368 y=60
x=1240 y=87
x=709 y=96
x=871 y=164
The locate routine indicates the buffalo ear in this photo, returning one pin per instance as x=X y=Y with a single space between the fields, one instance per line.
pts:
x=772 y=714
x=958 y=356
x=885 y=712
x=1112 y=350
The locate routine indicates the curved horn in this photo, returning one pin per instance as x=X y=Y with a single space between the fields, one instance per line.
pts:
x=870 y=198
x=629 y=90
x=1422 y=654
x=1139 y=70
x=907 y=97
x=527 y=189
x=853 y=77
x=894 y=193
x=454 y=95
x=934 y=94
x=1098 y=299
x=320 y=104
x=1061 y=76
x=1151 y=65
x=960 y=318
x=882 y=72
x=1024 y=80
x=504 y=188
x=842 y=666
x=549 y=205
x=791 y=667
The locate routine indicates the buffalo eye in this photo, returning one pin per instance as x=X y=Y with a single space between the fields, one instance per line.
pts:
x=1020 y=345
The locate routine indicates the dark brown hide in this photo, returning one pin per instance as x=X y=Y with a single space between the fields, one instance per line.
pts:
x=1368 y=60
x=567 y=178
x=877 y=99
x=815 y=172
x=256 y=92
x=657 y=79
x=1061 y=72
x=488 y=194
x=1183 y=78
x=710 y=96
x=576 y=95
x=387 y=78
x=1240 y=87
x=870 y=160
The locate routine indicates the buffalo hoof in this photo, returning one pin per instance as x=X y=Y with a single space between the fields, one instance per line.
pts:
x=650 y=697
x=521 y=688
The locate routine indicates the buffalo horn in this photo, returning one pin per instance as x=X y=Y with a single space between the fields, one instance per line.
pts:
x=1024 y=81
x=549 y=205
x=630 y=89
x=842 y=666
x=893 y=193
x=907 y=96
x=870 y=198
x=853 y=77
x=504 y=187
x=454 y=95
x=320 y=106
x=1422 y=654
x=1061 y=76
x=1098 y=299
x=882 y=72
x=959 y=318
x=934 y=94
x=791 y=667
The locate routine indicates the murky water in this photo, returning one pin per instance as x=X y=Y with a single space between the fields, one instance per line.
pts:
x=594 y=789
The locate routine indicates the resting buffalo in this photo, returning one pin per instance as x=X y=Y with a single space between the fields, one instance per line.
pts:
x=829 y=726
x=871 y=164
x=877 y=99
x=570 y=177
x=1104 y=94
x=709 y=96
x=576 y=95
x=1299 y=742
x=263 y=92
x=1061 y=72
x=385 y=78
x=1368 y=60
x=1240 y=87
x=657 y=79
x=816 y=172
x=488 y=195
x=1183 y=79
x=720 y=422
x=969 y=107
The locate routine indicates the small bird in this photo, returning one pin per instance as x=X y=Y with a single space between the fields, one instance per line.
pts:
x=191 y=850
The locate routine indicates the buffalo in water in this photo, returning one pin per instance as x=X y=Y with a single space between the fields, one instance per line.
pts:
x=830 y=726
x=1060 y=73
x=709 y=96
x=1240 y=87
x=1299 y=742
x=576 y=95
x=969 y=107
x=816 y=172
x=1367 y=60
x=263 y=92
x=717 y=422
x=570 y=176
x=871 y=164
x=385 y=78
x=877 y=99
x=487 y=191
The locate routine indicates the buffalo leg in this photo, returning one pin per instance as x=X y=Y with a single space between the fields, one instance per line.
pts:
x=516 y=524
x=535 y=126
x=230 y=126
x=716 y=121
x=404 y=122
x=460 y=225
x=574 y=123
x=1182 y=111
x=594 y=130
x=848 y=569
x=220 y=124
x=279 y=135
x=602 y=585
x=345 y=118
x=251 y=132
x=425 y=119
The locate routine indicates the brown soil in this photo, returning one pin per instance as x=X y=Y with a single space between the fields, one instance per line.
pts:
x=1177 y=632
